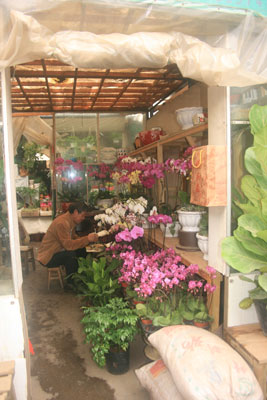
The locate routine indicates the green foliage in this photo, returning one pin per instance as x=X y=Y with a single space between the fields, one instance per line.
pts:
x=246 y=250
x=185 y=204
x=110 y=325
x=162 y=311
x=71 y=195
x=96 y=279
x=204 y=225
x=27 y=194
x=194 y=308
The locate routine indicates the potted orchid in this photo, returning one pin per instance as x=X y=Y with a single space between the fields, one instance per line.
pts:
x=169 y=224
x=163 y=282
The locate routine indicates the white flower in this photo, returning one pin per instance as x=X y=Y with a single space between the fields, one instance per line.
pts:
x=154 y=211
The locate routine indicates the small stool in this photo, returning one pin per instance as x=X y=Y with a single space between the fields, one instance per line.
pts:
x=55 y=274
x=27 y=256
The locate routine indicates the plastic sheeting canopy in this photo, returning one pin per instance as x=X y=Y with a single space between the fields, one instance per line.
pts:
x=224 y=47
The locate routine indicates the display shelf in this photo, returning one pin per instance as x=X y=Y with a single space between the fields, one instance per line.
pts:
x=170 y=139
x=191 y=257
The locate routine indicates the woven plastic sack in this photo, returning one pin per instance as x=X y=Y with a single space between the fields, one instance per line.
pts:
x=203 y=366
x=157 y=380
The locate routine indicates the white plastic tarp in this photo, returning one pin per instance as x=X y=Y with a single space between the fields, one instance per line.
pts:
x=216 y=46
x=33 y=128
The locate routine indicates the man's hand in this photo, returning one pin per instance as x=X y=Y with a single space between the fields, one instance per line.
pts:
x=92 y=237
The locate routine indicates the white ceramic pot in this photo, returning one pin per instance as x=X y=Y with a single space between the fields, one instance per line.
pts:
x=203 y=244
x=170 y=230
x=185 y=115
x=190 y=220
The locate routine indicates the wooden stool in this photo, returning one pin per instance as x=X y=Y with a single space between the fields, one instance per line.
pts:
x=27 y=256
x=55 y=274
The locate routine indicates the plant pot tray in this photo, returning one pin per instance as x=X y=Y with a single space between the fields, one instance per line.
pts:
x=30 y=213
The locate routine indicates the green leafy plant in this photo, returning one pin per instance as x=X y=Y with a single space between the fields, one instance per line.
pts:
x=204 y=225
x=161 y=313
x=185 y=204
x=71 y=194
x=246 y=250
x=113 y=325
x=194 y=308
x=96 y=279
x=27 y=194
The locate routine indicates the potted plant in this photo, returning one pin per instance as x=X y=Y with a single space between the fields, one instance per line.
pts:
x=246 y=250
x=110 y=329
x=96 y=280
x=202 y=236
x=194 y=309
x=189 y=214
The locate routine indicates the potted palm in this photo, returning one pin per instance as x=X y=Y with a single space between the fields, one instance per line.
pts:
x=110 y=329
x=246 y=250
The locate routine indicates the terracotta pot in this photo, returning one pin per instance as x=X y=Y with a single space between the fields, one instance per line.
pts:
x=124 y=284
x=146 y=321
x=203 y=324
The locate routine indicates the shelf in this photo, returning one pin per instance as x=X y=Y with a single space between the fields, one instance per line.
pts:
x=188 y=257
x=170 y=138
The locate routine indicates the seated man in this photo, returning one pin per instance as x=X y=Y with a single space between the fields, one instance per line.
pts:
x=61 y=245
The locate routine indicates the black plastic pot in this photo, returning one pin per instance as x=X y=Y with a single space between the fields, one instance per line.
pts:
x=262 y=314
x=118 y=361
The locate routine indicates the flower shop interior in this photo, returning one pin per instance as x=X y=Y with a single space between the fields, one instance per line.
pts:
x=159 y=125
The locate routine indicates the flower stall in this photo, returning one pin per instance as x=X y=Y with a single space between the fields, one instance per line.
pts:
x=132 y=128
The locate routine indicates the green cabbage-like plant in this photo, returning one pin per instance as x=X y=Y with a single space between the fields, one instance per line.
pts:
x=246 y=250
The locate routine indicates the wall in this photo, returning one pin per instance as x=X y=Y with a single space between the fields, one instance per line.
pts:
x=166 y=119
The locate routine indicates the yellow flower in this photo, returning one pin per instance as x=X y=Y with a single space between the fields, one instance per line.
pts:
x=134 y=177
x=116 y=176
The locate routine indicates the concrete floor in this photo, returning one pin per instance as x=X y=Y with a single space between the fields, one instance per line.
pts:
x=62 y=368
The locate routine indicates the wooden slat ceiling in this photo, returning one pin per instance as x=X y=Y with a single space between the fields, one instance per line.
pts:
x=45 y=86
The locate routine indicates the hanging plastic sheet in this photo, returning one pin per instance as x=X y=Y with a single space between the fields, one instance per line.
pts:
x=219 y=46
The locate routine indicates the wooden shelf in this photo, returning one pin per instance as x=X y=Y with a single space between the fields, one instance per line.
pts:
x=191 y=257
x=169 y=139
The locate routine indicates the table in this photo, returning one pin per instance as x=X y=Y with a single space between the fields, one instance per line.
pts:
x=36 y=224
x=249 y=341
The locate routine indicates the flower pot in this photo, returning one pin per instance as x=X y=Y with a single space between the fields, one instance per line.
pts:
x=145 y=321
x=117 y=361
x=170 y=230
x=261 y=311
x=203 y=244
x=188 y=239
x=190 y=220
x=202 y=324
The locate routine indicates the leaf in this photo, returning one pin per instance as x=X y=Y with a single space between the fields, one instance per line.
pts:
x=252 y=223
x=250 y=189
x=246 y=303
x=239 y=258
x=263 y=281
x=255 y=245
x=254 y=167
x=258 y=122
x=248 y=208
